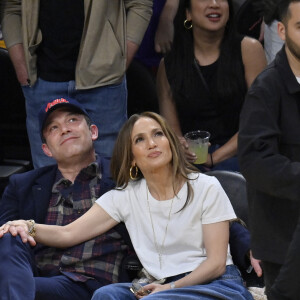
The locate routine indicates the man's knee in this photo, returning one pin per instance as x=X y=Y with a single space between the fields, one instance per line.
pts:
x=14 y=253
x=16 y=277
x=9 y=244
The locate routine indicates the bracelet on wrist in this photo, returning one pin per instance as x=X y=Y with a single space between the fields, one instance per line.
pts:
x=31 y=228
x=212 y=162
x=172 y=285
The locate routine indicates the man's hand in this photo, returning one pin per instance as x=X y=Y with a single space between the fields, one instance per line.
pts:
x=256 y=265
x=132 y=48
x=19 y=227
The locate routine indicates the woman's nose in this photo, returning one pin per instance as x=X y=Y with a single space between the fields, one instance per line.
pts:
x=151 y=143
x=214 y=2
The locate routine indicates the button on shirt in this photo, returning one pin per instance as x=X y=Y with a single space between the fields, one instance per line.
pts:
x=97 y=258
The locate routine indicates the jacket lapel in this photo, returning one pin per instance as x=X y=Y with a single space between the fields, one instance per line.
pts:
x=41 y=193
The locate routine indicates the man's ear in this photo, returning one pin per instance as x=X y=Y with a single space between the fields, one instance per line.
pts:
x=46 y=150
x=281 y=30
x=94 y=131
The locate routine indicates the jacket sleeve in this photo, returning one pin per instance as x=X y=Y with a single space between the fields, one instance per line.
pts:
x=260 y=158
x=286 y=285
x=138 y=16
x=239 y=241
x=9 y=203
x=11 y=21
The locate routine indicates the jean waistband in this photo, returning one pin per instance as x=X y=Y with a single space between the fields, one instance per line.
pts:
x=176 y=277
x=230 y=269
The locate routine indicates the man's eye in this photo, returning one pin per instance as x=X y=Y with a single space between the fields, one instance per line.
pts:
x=52 y=128
x=72 y=120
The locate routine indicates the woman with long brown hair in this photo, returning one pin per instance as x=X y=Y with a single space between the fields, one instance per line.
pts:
x=177 y=219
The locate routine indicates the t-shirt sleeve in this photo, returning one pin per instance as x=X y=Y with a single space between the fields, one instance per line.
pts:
x=216 y=205
x=110 y=202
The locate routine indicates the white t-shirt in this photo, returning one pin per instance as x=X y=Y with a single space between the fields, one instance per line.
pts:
x=183 y=249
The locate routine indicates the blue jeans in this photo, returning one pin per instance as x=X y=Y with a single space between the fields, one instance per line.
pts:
x=107 y=107
x=17 y=281
x=229 y=286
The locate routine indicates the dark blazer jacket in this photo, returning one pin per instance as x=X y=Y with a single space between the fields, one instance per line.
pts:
x=28 y=194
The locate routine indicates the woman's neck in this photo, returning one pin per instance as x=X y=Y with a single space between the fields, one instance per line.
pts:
x=207 y=46
x=161 y=185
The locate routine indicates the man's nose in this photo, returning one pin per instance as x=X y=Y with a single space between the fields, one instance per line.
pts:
x=65 y=129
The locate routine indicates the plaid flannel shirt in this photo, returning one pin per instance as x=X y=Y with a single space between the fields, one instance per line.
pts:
x=99 y=258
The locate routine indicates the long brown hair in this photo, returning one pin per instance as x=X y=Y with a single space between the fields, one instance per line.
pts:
x=122 y=155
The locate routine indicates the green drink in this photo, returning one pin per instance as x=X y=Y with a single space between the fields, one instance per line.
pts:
x=198 y=143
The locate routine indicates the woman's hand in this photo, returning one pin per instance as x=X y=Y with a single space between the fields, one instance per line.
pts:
x=18 y=227
x=190 y=156
x=152 y=288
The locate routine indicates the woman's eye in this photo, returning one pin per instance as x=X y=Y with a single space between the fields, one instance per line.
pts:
x=139 y=139
x=159 y=133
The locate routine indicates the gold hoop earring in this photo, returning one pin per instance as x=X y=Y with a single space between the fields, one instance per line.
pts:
x=188 y=24
x=136 y=172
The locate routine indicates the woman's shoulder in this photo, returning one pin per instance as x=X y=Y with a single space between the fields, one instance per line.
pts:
x=252 y=48
x=253 y=43
x=200 y=178
x=135 y=186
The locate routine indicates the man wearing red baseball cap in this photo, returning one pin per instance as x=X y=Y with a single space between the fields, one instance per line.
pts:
x=58 y=195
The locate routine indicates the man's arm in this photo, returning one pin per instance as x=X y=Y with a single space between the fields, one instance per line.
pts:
x=9 y=203
x=260 y=159
x=17 y=57
x=138 y=16
x=287 y=285
x=11 y=21
x=12 y=34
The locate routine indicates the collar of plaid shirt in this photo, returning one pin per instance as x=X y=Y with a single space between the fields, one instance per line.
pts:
x=98 y=258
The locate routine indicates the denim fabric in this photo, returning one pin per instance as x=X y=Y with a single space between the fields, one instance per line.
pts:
x=60 y=288
x=229 y=286
x=17 y=279
x=107 y=107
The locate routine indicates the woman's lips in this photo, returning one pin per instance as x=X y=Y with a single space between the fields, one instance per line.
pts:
x=154 y=154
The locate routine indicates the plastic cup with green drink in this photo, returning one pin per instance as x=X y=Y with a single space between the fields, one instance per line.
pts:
x=198 y=142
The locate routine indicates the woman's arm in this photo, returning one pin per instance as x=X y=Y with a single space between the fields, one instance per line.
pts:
x=166 y=103
x=254 y=61
x=167 y=108
x=165 y=30
x=216 y=237
x=93 y=223
x=228 y=150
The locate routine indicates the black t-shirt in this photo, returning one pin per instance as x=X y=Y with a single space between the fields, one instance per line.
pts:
x=61 y=23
